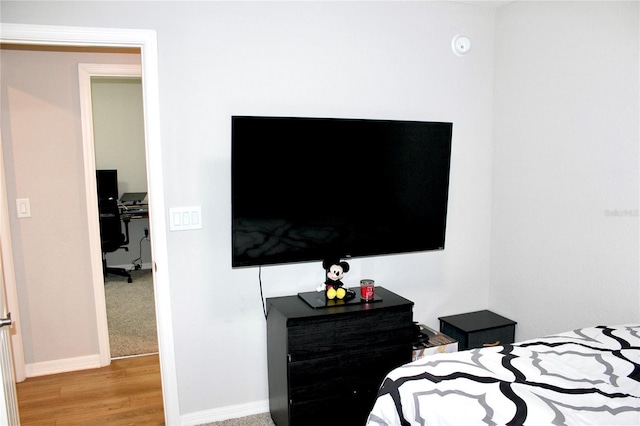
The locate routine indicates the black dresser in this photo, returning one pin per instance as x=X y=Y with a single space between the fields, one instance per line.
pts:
x=326 y=364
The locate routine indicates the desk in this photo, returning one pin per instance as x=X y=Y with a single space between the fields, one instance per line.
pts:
x=136 y=219
x=134 y=212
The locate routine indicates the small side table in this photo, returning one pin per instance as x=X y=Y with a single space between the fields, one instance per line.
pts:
x=478 y=329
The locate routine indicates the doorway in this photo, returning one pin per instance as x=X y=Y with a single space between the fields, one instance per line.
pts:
x=146 y=41
x=113 y=103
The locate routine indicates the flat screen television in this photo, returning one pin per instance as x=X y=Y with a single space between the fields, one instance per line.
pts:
x=306 y=189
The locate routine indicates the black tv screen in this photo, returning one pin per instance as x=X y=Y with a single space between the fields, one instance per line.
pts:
x=307 y=189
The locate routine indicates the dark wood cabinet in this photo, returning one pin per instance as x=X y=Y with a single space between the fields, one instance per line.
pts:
x=478 y=329
x=326 y=365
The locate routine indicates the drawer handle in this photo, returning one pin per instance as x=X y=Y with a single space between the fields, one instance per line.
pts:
x=496 y=343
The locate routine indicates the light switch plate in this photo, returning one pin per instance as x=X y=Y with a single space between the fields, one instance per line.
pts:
x=185 y=218
x=23 y=206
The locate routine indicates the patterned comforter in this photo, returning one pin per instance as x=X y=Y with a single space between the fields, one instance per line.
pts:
x=589 y=376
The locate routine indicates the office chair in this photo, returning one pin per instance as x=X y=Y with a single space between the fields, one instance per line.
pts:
x=112 y=238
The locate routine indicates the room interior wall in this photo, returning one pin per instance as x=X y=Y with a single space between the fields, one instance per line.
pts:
x=118 y=125
x=346 y=60
x=363 y=60
x=339 y=59
x=43 y=160
x=566 y=185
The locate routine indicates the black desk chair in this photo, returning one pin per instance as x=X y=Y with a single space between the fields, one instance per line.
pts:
x=112 y=238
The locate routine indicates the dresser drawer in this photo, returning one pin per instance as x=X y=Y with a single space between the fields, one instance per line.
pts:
x=326 y=337
x=352 y=410
x=492 y=337
x=344 y=374
x=478 y=329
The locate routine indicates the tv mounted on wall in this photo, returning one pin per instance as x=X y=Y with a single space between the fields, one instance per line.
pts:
x=306 y=189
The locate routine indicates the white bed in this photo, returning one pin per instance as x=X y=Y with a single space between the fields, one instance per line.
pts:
x=589 y=376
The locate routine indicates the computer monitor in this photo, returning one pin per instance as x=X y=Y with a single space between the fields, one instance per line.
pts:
x=107 y=183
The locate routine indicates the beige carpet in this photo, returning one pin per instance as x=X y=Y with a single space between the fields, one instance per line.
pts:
x=131 y=314
x=263 y=419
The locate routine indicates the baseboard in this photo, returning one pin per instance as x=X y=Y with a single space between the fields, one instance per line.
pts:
x=225 y=413
x=62 y=365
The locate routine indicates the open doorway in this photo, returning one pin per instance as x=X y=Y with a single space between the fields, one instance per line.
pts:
x=117 y=116
x=90 y=38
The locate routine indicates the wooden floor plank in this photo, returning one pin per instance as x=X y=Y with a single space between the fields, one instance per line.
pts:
x=127 y=392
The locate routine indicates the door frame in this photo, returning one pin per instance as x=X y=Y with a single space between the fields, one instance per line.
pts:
x=10 y=339
x=146 y=41
x=85 y=72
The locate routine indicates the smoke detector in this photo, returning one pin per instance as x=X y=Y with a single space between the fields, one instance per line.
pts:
x=461 y=45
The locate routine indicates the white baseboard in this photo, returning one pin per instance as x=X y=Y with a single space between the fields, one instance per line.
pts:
x=62 y=365
x=225 y=413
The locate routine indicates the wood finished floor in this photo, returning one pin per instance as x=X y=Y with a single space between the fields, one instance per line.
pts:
x=127 y=392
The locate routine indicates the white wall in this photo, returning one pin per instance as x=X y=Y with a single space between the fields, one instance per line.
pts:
x=373 y=60
x=566 y=160
x=353 y=59
x=377 y=60
x=118 y=127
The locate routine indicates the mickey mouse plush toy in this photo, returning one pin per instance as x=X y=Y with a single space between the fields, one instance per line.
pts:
x=332 y=285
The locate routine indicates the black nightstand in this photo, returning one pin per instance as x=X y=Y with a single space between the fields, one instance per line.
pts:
x=478 y=329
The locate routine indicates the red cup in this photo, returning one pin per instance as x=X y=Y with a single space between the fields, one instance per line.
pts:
x=367 y=290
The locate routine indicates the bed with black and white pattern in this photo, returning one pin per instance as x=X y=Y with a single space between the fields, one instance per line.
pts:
x=589 y=376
